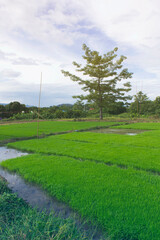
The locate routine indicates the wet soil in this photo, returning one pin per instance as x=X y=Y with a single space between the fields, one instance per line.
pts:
x=130 y=132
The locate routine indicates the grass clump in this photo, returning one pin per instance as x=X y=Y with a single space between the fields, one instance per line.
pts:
x=19 y=221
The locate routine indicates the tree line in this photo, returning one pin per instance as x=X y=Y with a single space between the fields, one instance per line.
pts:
x=140 y=106
x=106 y=88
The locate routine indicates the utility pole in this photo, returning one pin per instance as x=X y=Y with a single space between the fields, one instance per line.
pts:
x=39 y=105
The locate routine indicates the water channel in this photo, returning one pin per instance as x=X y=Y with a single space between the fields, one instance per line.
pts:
x=36 y=197
x=31 y=193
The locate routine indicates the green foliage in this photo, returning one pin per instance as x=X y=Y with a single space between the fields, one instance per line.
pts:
x=14 y=108
x=3 y=186
x=2 y=111
x=79 y=105
x=124 y=202
x=157 y=106
x=116 y=108
x=142 y=105
x=103 y=72
x=20 y=116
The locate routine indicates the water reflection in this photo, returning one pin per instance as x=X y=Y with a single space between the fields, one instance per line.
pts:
x=131 y=132
x=6 y=153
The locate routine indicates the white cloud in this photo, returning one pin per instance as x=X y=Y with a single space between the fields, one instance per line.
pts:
x=132 y=22
x=2 y=55
x=46 y=21
x=46 y=35
x=7 y=74
x=24 y=61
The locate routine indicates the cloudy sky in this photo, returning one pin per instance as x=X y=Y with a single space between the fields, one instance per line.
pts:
x=47 y=36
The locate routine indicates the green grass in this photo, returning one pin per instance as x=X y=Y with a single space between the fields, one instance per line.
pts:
x=133 y=151
x=19 y=221
x=124 y=202
x=146 y=139
x=23 y=130
x=147 y=126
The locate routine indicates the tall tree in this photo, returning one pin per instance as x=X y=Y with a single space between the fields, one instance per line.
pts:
x=103 y=73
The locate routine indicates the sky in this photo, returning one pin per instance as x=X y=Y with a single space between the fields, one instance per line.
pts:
x=47 y=36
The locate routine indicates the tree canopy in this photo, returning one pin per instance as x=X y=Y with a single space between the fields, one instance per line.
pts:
x=102 y=74
x=142 y=104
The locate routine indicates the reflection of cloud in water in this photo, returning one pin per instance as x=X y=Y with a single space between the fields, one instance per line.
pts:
x=6 y=153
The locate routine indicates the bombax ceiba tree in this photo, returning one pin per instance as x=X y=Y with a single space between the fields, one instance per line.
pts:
x=102 y=73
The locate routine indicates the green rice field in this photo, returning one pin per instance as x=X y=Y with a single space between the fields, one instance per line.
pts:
x=25 y=130
x=131 y=151
x=111 y=180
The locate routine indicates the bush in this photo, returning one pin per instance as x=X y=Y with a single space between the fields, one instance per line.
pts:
x=20 y=116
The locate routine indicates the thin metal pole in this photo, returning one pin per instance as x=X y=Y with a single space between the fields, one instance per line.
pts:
x=39 y=105
x=137 y=101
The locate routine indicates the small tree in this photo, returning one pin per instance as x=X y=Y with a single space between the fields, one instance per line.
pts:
x=104 y=73
x=14 y=108
x=2 y=111
x=142 y=104
x=157 y=105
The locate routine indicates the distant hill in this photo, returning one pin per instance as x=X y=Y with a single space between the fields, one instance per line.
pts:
x=59 y=105
x=30 y=106
x=4 y=104
x=65 y=104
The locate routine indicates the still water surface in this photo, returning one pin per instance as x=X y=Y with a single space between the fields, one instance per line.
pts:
x=130 y=132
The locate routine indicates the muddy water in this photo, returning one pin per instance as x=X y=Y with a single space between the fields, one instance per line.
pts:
x=130 y=132
x=38 y=198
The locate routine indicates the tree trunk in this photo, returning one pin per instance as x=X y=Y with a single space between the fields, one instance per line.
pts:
x=101 y=114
